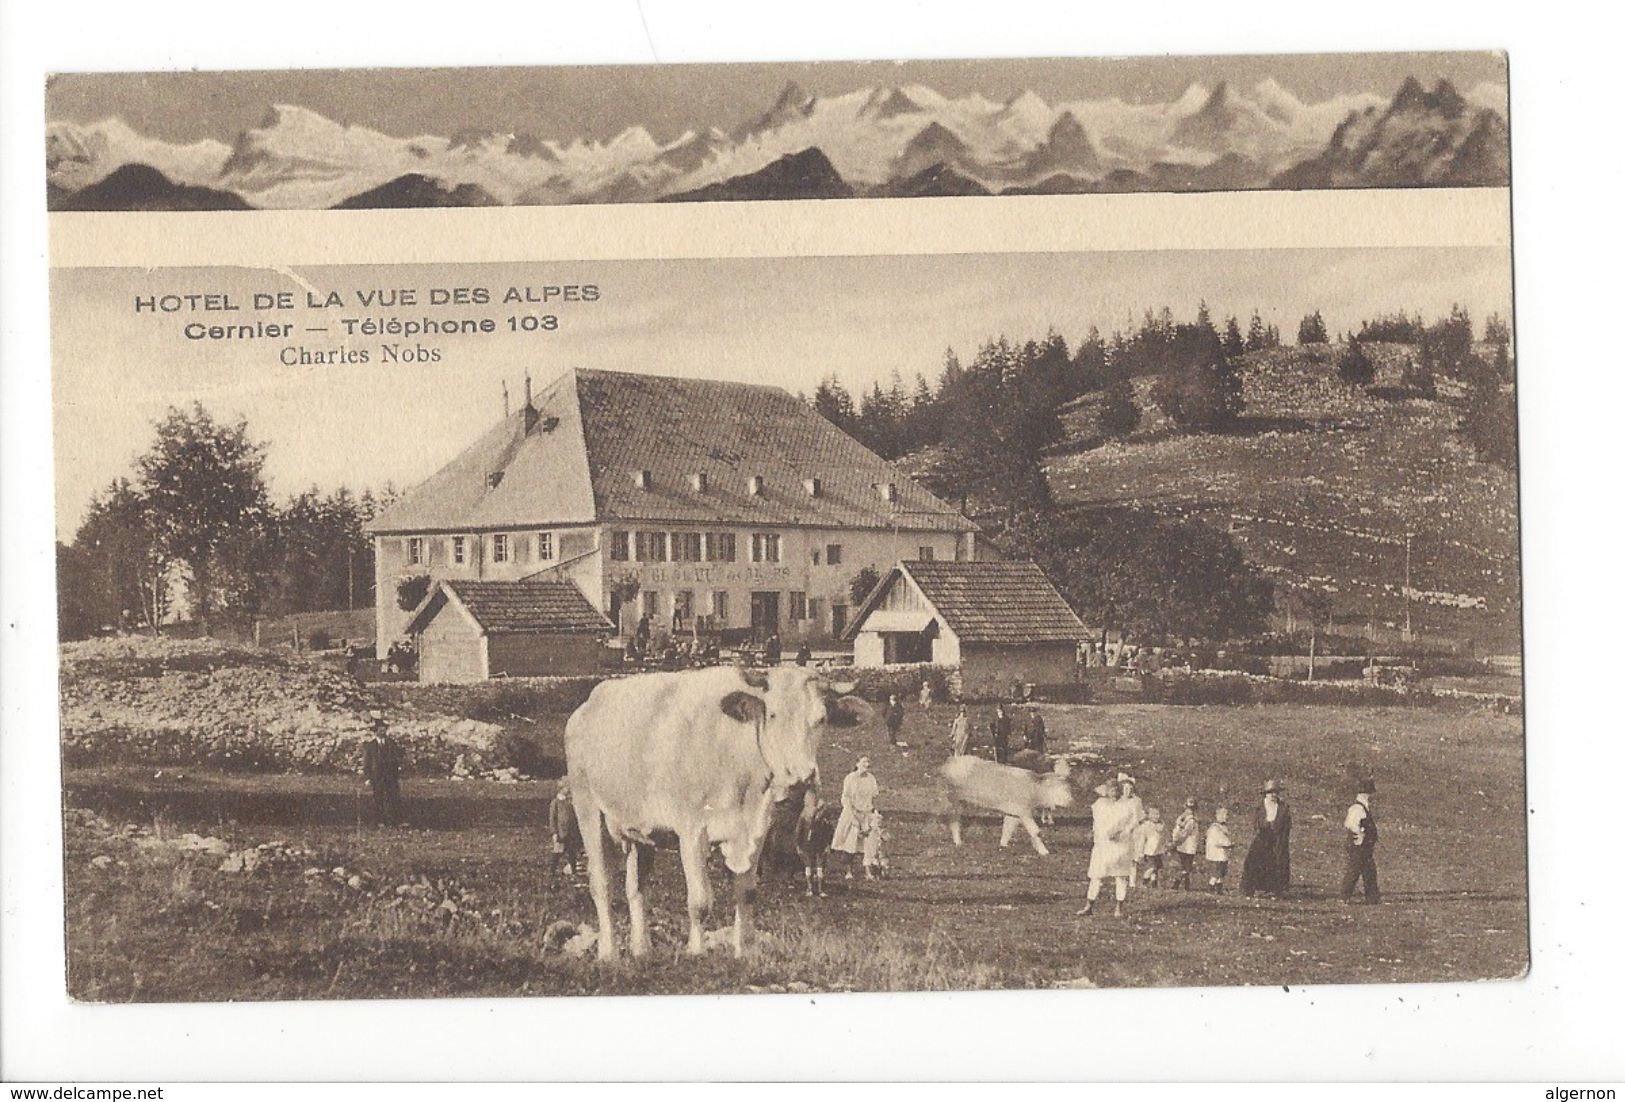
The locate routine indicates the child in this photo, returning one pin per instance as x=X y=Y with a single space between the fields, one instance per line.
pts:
x=561 y=820
x=1186 y=838
x=874 y=852
x=1150 y=843
x=1219 y=843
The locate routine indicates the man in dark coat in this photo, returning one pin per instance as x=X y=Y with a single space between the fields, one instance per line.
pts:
x=1360 y=844
x=894 y=719
x=381 y=766
x=1001 y=734
x=1268 y=867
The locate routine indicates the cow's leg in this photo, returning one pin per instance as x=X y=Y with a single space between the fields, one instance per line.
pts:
x=694 y=849
x=638 y=939
x=1032 y=832
x=1007 y=831
x=591 y=820
x=953 y=827
x=744 y=909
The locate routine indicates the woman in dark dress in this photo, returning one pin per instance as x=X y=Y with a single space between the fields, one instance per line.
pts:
x=1268 y=868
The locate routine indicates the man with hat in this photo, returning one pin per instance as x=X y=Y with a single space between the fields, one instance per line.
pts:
x=1268 y=867
x=381 y=765
x=1360 y=846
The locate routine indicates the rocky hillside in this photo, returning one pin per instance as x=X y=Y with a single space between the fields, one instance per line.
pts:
x=1319 y=487
x=205 y=703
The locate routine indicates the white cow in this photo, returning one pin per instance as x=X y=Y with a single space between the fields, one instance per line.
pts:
x=703 y=754
x=1016 y=793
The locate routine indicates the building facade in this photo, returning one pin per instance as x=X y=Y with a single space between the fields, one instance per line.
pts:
x=999 y=623
x=699 y=504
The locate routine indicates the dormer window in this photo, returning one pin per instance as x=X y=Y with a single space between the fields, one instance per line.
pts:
x=887 y=491
x=758 y=485
x=643 y=479
x=494 y=479
x=699 y=482
x=815 y=487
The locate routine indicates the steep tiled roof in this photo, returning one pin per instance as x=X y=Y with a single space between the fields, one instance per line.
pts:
x=989 y=602
x=548 y=605
x=608 y=426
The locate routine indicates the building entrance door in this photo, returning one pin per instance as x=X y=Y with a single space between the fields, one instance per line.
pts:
x=764 y=613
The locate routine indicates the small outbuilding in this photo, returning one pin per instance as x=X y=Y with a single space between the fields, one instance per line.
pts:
x=998 y=622
x=540 y=627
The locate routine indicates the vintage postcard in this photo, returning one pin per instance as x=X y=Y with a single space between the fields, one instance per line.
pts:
x=1087 y=555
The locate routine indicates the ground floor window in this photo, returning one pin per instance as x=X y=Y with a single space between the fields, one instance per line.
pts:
x=719 y=606
x=798 y=605
x=651 y=602
x=837 y=619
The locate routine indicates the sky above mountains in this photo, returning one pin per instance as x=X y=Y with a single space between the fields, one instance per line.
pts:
x=600 y=102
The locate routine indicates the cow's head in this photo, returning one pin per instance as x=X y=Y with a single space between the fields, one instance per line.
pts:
x=788 y=709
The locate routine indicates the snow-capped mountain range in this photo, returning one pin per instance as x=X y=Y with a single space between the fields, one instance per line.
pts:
x=906 y=139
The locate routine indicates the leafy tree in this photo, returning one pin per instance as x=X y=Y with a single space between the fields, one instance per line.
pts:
x=1119 y=416
x=1153 y=577
x=120 y=569
x=1447 y=344
x=204 y=491
x=1312 y=329
x=1354 y=365
x=1395 y=328
x=862 y=584
x=410 y=591
x=995 y=427
x=1203 y=397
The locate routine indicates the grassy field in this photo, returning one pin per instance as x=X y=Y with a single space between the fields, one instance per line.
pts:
x=152 y=923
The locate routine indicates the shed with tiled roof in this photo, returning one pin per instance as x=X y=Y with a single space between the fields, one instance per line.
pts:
x=1000 y=623
x=470 y=630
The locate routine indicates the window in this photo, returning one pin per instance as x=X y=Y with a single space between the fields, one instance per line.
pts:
x=719 y=606
x=832 y=554
x=499 y=547
x=459 y=549
x=651 y=546
x=837 y=619
x=928 y=554
x=619 y=547
x=817 y=555
x=764 y=547
x=682 y=606
x=414 y=551
x=544 y=545
x=720 y=547
x=651 y=602
x=685 y=547
x=798 y=605
x=815 y=609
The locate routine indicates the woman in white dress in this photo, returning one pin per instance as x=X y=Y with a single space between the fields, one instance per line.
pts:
x=858 y=794
x=1112 y=857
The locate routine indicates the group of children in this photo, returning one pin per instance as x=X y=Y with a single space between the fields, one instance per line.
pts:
x=1153 y=841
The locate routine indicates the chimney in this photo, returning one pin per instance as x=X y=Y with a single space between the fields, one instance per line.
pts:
x=699 y=481
x=815 y=487
x=888 y=490
x=642 y=479
x=531 y=416
x=758 y=484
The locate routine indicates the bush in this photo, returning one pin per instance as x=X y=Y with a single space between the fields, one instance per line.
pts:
x=410 y=591
x=879 y=683
x=1119 y=416
x=1203 y=398
x=1417 y=379
x=1354 y=366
